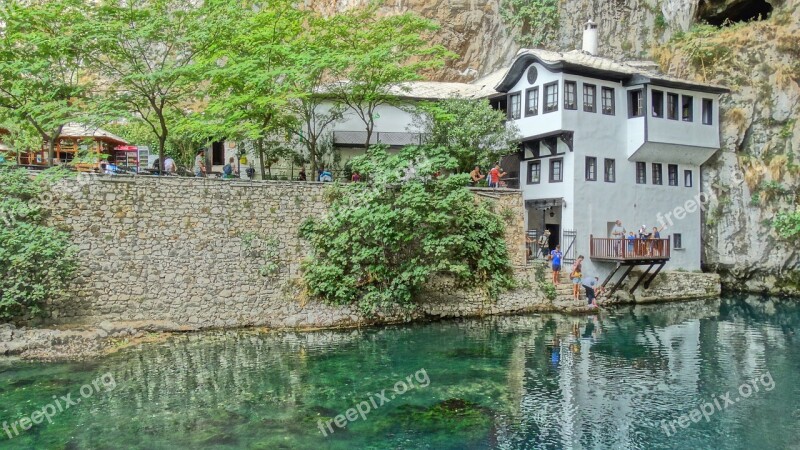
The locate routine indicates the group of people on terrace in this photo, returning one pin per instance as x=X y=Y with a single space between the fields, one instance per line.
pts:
x=493 y=178
x=641 y=243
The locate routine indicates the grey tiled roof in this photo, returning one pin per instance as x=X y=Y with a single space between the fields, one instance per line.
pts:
x=77 y=130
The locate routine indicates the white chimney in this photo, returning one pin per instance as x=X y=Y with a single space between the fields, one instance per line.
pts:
x=590 y=38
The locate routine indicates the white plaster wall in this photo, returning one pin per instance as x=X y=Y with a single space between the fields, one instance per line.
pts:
x=542 y=122
x=389 y=118
x=693 y=133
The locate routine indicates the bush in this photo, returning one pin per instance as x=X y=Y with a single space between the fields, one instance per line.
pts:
x=36 y=261
x=382 y=241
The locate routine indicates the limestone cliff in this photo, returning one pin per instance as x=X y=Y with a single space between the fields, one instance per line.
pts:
x=756 y=54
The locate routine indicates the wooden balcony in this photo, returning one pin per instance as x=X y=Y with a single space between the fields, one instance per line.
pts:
x=636 y=251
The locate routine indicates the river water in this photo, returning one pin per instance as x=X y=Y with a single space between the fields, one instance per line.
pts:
x=717 y=374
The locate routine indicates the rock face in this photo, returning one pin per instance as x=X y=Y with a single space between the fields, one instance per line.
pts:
x=755 y=174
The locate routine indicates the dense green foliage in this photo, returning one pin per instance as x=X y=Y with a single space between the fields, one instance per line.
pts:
x=537 y=19
x=470 y=131
x=381 y=242
x=36 y=261
x=787 y=224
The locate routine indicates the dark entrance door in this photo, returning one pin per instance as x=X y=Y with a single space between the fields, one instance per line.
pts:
x=218 y=154
x=555 y=235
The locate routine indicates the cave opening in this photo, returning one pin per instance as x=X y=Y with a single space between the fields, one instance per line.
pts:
x=737 y=11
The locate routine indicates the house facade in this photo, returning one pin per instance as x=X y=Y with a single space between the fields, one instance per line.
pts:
x=604 y=141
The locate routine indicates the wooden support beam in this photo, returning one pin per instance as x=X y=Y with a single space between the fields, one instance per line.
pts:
x=641 y=277
x=621 y=279
x=653 y=276
x=608 y=278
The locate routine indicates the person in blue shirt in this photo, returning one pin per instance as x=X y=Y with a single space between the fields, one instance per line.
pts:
x=593 y=288
x=631 y=241
x=555 y=256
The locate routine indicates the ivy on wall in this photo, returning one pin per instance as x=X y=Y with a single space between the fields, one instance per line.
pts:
x=536 y=19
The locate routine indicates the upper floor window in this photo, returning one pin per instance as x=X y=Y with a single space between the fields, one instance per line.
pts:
x=591 y=168
x=570 y=95
x=677 y=242
x=534 y=172
x=514 y=105
x=589 y=98
x=672 y=106
x=687 y=178
x=672 y=173
x=708 y=111
x=657 y=174
x=641 y=173
x=610 y=170
x=556 y=170
x=551 y=97
x=532 y=101
x=687 y=106
x=658 y=104
x=635 y=103
x=608 y=100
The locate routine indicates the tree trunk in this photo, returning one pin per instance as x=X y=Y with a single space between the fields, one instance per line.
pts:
x=260 y=147
x=51 y=150
x=162 y=143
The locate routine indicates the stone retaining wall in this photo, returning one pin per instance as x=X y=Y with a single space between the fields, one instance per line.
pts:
x=207 y=253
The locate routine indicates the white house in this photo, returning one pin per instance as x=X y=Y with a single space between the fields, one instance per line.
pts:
x=602 y=140
x=606 y=141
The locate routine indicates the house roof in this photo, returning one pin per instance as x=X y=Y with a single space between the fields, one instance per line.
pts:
x=631 y=72
x=77 y=130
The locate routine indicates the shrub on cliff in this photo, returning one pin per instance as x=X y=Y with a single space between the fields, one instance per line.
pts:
x=381 y=242
x=36 y=261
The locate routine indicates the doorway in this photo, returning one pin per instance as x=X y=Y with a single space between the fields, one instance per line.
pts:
x=555 y=234
x=218 y=154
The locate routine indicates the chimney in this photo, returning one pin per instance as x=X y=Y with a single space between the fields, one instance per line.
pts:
x=590 y=38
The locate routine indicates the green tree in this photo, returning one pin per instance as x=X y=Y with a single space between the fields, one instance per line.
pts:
x=375 y=56
x=787 y=224
x=381 y=242
x=148 y=52
x=36 y=261
x=42 y=78
x=471 y=131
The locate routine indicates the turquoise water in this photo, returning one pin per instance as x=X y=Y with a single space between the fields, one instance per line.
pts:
x=612 y=380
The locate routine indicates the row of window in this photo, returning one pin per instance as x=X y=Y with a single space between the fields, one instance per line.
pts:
x=570 y=99
x=672 y=174
x=683 y=104
x=609 y=172
x=635 y=102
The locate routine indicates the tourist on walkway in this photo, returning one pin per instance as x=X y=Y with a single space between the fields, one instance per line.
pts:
x=495 y=175
x=356 y=177
x=544 y=243
x=618 y=232
x=302 y=175
x=555 y=256
x=229 y=170
x=326 y=176
x=655 y=244
x=476 y=176
x=200 y=164
x=576 y=277
x=644 y=235
x=169 y=166
x=631 y=244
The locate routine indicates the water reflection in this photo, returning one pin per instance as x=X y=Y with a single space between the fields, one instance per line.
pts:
x=543 y=381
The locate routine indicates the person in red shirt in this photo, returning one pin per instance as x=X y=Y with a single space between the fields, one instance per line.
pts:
x=495 y=175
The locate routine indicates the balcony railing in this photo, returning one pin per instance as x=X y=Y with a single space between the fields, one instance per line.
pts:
x=629 y=249
x=391 y=138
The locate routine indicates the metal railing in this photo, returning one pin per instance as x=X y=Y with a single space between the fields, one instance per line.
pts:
x=393 y=138
x=625 y=249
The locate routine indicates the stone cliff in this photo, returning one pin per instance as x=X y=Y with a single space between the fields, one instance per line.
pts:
x=755 y=54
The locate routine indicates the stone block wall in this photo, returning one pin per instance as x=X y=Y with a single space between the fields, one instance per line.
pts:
x=205 y=253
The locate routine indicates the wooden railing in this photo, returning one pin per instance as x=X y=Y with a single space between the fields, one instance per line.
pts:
x=624 y=249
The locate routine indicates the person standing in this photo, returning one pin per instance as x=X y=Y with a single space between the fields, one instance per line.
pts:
x=356 y=177
x=544 y=243
x=555 y=256
x=618 y=232
x=200 y=164
x=576 y=277
x=476 y=176
x=302 y=175
x=655 y=243
x=495 y=175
